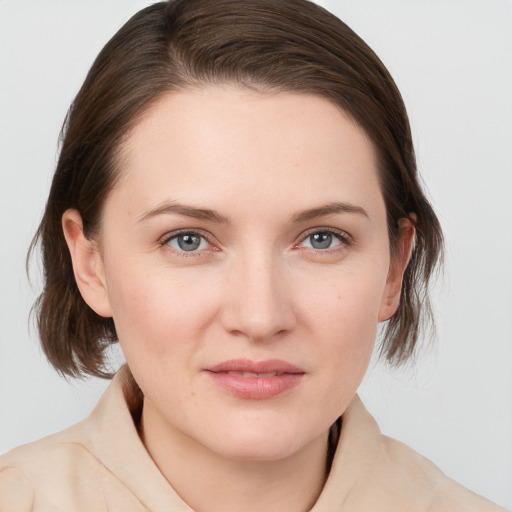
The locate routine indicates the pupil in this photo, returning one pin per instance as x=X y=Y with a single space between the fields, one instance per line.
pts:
x=188 y=242
x=321 y=240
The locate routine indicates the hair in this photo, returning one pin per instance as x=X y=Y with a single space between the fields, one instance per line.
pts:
x=265 y=45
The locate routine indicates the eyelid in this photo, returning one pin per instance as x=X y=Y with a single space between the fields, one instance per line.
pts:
x=345 y=238
x=165 y=239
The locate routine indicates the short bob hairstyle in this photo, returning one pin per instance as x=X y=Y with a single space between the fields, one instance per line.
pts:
x=263 y=45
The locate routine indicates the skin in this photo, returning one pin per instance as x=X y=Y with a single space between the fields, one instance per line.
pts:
x=258 y=287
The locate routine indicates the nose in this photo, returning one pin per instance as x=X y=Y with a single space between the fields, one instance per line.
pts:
x=259 y=303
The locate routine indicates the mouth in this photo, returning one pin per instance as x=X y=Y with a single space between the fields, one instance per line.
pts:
x=255 y=380
x=252 y=374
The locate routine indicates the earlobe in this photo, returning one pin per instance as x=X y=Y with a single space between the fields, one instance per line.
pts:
x=403 y=253
x=87 y=262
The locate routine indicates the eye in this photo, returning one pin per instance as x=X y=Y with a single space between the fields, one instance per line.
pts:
x=324 y=239
x=189 y=241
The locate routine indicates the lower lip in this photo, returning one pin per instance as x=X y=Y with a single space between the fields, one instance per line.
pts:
x=256 y=388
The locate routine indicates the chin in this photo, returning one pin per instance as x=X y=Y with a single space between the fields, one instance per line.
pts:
x=260 y=450
x=260 y=443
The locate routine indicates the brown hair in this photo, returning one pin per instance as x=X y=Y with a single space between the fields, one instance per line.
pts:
x=269 y=45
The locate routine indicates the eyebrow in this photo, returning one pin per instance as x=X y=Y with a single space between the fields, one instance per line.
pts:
x=329 y=209
x=186 y=211
x=213 y=216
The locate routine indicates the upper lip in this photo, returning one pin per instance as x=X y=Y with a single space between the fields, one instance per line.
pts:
x=248 y=366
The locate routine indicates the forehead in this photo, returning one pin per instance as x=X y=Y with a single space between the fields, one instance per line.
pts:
x=235 y=142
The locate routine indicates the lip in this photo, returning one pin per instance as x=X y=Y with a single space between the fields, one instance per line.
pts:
x=255 y=380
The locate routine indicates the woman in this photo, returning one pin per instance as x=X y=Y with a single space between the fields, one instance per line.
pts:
x=236 y=202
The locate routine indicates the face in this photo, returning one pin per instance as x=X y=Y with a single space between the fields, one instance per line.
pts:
x=244 y=257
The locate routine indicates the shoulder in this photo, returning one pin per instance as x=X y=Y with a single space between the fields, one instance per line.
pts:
x=92 y=466
x=371 y=472
x=419 y=473
x=16 y=493
x=61 y=465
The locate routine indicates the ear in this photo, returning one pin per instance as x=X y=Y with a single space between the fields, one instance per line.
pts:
x=87 y=264
x=397 y=266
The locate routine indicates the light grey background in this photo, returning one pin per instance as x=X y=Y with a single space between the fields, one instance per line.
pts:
x=452 y=61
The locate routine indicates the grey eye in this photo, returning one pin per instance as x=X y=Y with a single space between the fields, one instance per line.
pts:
x=188 y=242
x=321 y=240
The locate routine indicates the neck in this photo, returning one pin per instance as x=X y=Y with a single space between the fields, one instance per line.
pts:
x=209 y=482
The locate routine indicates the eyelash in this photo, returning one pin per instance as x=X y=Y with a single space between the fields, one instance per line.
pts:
x=164 y=242
x=343 y=237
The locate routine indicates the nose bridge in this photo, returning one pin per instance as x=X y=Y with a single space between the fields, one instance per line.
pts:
x=260 y=305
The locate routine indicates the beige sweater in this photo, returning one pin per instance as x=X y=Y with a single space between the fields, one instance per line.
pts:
x=101 y=465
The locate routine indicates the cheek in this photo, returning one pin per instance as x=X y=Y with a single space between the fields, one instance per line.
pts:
x=158 y=314
x=349 y=299
x=351 y=338
x=345 y=314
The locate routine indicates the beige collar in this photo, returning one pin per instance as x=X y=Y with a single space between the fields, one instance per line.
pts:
x=363 y=476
